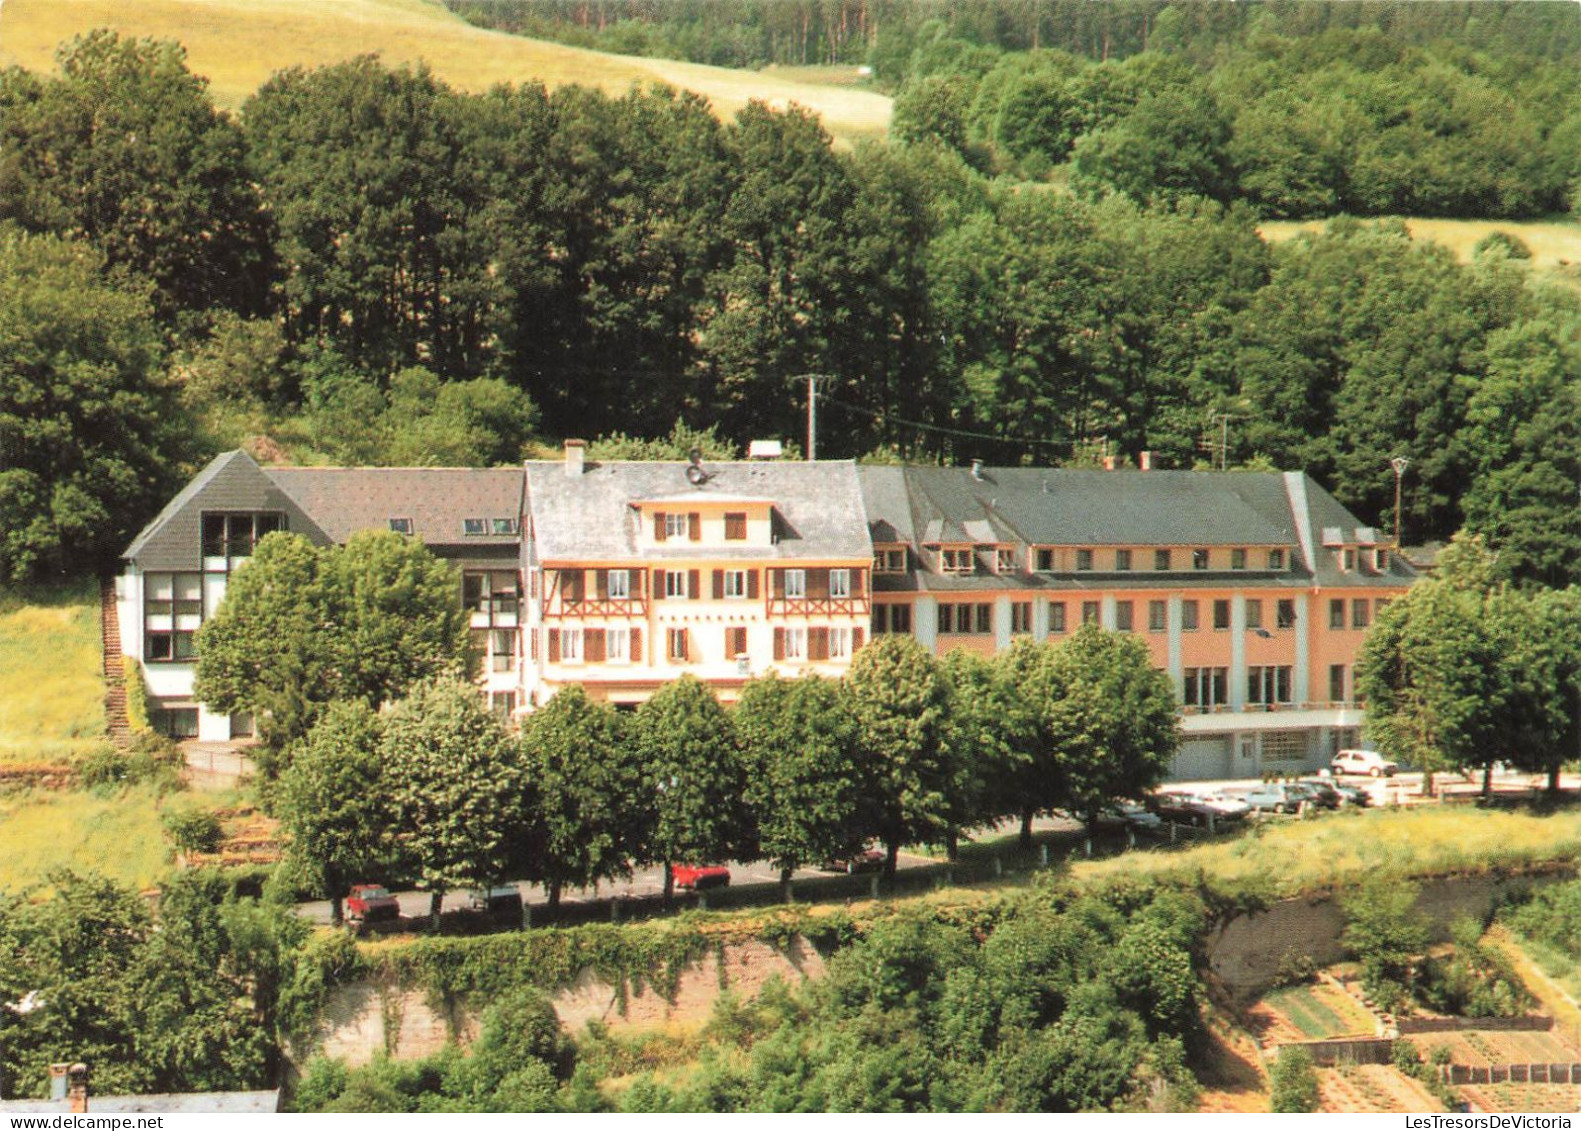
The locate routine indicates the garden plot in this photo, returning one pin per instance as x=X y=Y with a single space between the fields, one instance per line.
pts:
x=1376 y=1088
x=1310 y=1012
x=1480 y=1047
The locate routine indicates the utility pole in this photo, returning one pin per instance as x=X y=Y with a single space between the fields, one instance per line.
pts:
x=1219 y=448
x=812 y=417
x=1399 y=463
x=812 y=380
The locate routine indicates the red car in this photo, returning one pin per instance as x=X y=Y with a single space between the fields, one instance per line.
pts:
x=371 y=903
x=700 y=877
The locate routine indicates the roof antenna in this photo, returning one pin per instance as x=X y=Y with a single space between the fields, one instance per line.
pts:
x=695 y=475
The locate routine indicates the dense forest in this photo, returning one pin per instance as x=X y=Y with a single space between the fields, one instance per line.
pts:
x=367 y=266
x=882 y=33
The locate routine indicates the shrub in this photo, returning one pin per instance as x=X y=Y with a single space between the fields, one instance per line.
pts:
x=1294 y=1082
x=192 y=830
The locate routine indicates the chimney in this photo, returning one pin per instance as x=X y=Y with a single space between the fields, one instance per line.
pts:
x=977 y=470
x=1147 y=461
x=575 y=457
x=69 y=1082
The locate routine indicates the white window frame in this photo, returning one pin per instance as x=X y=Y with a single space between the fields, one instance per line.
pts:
x=839 y=643
x=508 y=636
x=735 y=584
x=796 y=643
x=675 y=585
x=796 y=584
x=957 y=561
x=889 y=561
x=1005 y=559
x=839 y=583
x=677 y=525
x=571 y=645
x=619 y=584
x=617 y=645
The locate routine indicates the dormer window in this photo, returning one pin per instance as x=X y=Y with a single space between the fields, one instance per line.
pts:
x=401 y=525
x=889 y=561
x=956 y=561
x=503 y=525
x=1276 y=559
x=1199 y=559
x=1348 y=560
x=1122 y=561
x=474 y=527
x=1380 y=560
x=1045 y=560
x=1161 y=561
x=1004 y=560
x=1083 y=561
x=1238 y=558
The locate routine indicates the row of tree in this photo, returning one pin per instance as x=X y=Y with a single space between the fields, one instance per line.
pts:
x=802 y=771
x=370 y=268
x=1466 y=673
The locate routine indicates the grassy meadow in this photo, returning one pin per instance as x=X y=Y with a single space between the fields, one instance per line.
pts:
x=237 y=44
x=51 y=686
x=114 y=832
x=1288 y=857
x=1555 y=244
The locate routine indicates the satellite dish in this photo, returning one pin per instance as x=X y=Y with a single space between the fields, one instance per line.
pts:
x=696 y=476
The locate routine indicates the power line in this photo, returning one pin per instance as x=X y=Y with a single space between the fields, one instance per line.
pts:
x=830 y=400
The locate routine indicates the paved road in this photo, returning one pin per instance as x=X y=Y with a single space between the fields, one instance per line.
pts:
x=645 y=883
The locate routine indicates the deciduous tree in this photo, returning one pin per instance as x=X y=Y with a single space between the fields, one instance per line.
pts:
x=593 y=809
x=89 y=431
x=688 y=751
x=459 y=788
x=303 y=626
x=798 y=741
x=902 y=704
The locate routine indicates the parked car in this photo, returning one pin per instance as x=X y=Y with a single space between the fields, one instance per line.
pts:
x=1181 y=807
x=1342 y=793
x=1368 y=762
x=1131 y=815
x=700 y=877
x=1225 y=807
x=1277 y=797
x=502 y=905
x=866 y=859
x=1323 y=791
x=371 y=903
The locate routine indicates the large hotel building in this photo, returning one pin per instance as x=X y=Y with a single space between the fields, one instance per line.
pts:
x=1251 y=589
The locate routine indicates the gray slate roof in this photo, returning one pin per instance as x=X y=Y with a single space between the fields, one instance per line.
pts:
x=344 y=500
x=231 y=482
x=1039 y=506
x=590 y=517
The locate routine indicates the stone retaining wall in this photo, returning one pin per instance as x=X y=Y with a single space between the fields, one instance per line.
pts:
x=361 y=1019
